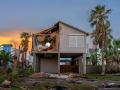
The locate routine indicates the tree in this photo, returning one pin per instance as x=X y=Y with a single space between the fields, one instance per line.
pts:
x=5 y=58
x=24 y=43
x=113 y=56
x=116 y=46
x=99 y=20
x=93 y=58
x=117 y=43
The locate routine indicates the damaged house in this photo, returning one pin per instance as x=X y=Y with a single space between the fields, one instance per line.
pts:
x=59 y=49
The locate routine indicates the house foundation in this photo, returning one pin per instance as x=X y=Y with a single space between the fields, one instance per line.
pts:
x=51 y=63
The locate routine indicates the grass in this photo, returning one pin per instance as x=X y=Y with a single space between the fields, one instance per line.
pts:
x=37 y=87
x=14 y=88
x=1 y=78
x=103 y=77
x=84 y=86
x=70 y=86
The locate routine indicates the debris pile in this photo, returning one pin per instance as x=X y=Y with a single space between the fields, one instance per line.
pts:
x=39 y=75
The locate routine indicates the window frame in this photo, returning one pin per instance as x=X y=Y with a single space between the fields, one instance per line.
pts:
x=76 y=40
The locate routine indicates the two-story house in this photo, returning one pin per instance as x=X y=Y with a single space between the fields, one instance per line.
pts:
x=61 y=42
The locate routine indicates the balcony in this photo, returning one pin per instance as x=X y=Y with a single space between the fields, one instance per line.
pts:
x=45 y=43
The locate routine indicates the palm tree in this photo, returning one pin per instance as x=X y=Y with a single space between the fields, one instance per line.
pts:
x=5 y=58
x=113 y=56
x=24 y=44
x=99 y=20
x=93 y=58
x=116 y=44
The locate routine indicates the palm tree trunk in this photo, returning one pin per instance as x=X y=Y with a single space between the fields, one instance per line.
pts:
x=25 y=58
x=5 y=71
x=103 y=61
x=96 y=55
x=22 y=59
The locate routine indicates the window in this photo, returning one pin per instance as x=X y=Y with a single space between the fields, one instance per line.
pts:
x=72 y=41
x=76 y=41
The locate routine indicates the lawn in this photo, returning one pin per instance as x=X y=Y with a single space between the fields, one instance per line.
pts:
x=1 y=78
x=103 y=77
x=14 y=88
x=83 y=86
x=48 y=84
x=69 y=86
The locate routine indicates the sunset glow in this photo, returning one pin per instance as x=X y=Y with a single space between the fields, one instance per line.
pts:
x=13 y=37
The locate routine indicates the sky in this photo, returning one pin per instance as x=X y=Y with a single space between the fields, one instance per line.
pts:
x=17 y=16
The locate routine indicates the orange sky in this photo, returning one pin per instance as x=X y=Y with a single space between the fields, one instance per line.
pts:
x=8 y=36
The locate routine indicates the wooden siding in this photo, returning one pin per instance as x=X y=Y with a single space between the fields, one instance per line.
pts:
x=65 y=31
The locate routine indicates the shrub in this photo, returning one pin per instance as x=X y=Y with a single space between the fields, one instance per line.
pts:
x=13 y=75
x=1 y=78
x=25 y=72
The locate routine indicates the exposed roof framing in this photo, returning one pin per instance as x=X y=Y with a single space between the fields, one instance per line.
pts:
x=51 y=29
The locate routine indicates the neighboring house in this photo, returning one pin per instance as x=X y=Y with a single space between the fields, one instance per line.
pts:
x=6 y=47
x=9 y=48
x=62 y=41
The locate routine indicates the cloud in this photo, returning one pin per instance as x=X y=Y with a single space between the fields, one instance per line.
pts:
x=12 y=36
x=15 y=32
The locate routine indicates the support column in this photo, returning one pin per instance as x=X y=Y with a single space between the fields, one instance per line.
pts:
x=34 y=62
x=80 y=65
x=84 y=63
x=58 y=62
x=37 y=64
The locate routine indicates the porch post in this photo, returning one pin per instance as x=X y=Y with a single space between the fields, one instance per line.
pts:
x=58 y=62
x=84 y=63
x=80 y=64
x=34 y=62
